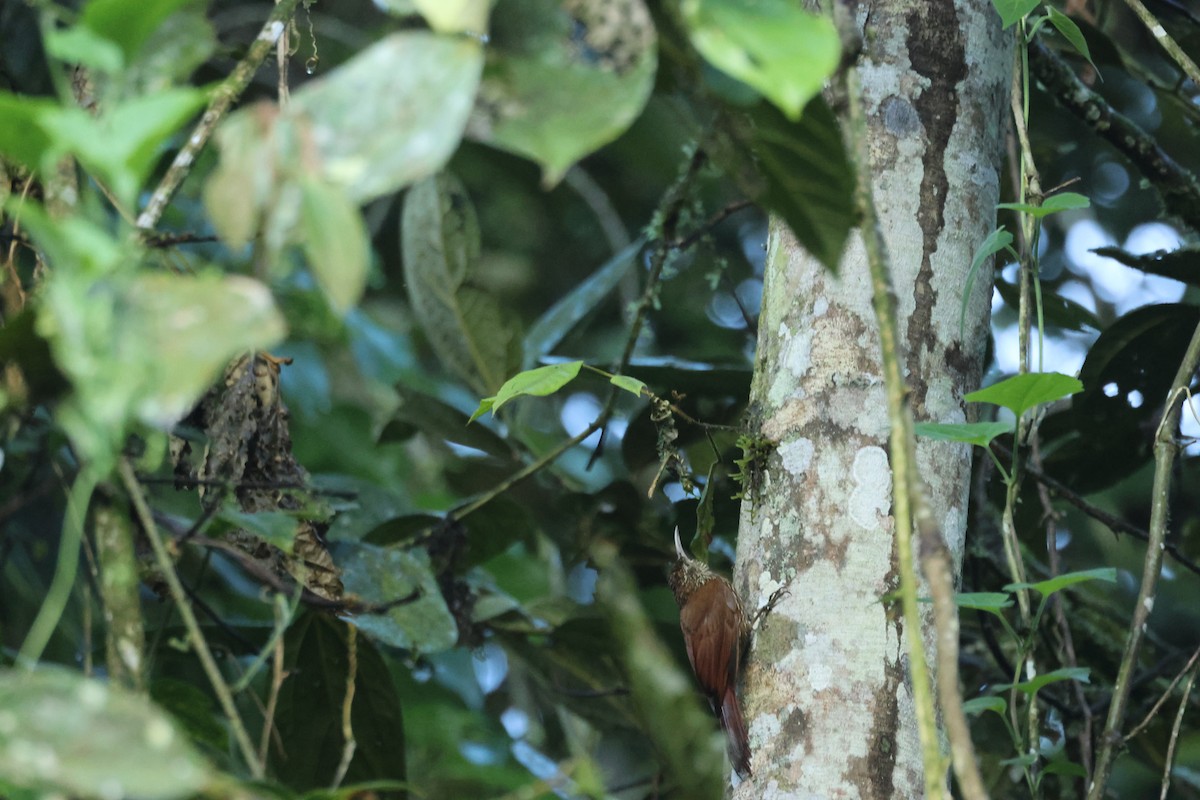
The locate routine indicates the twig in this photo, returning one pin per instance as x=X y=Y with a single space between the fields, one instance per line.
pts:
x=278 y=675
x=1145 y=723
x=1165 y=449
x=502 y=487
x=209 y=664
x=1170 y=759
x=188 y=483
x=347 y=729
x=223 y=97
x=1185 y=63
x=1110 y=521
x=1060 y=617
x=1179 y=187
x=710 y=223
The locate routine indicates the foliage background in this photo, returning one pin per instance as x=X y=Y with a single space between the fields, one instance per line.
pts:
x=508 y=677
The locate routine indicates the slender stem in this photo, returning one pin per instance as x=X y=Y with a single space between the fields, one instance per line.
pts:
x=350 y=744
x=1174 y=742
x=1164 y=39
x=1166 y=447
x=65 y=569
x=901 y=444
x=517 y=477
x=195 y=635
x=223 y=97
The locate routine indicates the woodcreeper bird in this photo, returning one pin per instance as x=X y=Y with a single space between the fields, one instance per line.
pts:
x=716 y=630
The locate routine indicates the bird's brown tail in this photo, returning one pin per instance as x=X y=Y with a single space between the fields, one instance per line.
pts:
x=735 y=729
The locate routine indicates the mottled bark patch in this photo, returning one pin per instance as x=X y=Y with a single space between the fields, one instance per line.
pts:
x=937 y=53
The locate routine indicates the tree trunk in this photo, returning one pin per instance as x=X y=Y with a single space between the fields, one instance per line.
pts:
x=827 y=691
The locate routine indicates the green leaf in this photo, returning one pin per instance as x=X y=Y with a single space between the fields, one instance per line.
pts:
x=799 y=170
x=1070 y=31
x=1068 y=768
x=1022 y=392
x=978 y=705
x=562 y=80
x=1052 y=585
x=774 y=46
x=310 y=706
x=476 y=337
x=455 y=16
x=127 y=140
x=536 y=382
x=631 y=385
x=146 y=347
x=69 y=735
x=1182 y=264
x=1081 y=674
x=274 y=527
x=81 y=45
x=983 y=601
x=1056 y=309
x=554 y=325
x=996 y=241
x=128 y=25
x=394 y=113
x=380 y=575
x=1064 y=201
x=23 y=138
x=485 y=405
x=335 y=242
x=976 y=433
x=436 y=420
x=1012 y=10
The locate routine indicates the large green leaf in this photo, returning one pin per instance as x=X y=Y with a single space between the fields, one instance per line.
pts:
x=394 y=113
x=1022 y=392
x=64 y=734
x=561 y=318
x=311 y=700
x=145 y=347
x=382 y=575
x=775 y=46
x=335 y=242
x=563 y=79
x=799 y=170
x=126 y=24
x=1012 y=10
x=466 y=325
x=1182 y=264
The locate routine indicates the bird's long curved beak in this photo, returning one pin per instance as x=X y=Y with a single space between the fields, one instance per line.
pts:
x=679 y=545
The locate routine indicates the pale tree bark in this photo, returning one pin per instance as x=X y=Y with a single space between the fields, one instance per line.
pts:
x=827 y=691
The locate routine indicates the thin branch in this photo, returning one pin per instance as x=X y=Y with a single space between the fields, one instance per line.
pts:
x=223 y=98
x=1185 y=63
x=1174 y=741
x=350 y=744
x=1110 y=521
x=1153 y=712
x=706 y=227
x=1179 y=187
x=1166 y=446
x=1060 y=616
x=196 y=636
